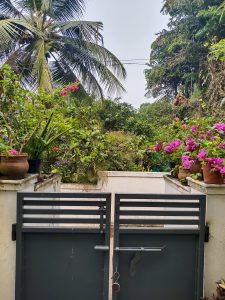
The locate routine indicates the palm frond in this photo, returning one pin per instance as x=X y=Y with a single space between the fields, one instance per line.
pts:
x=58 y=9
x=11 y=29
x=84 y=30
x=61 y=72
x=8 y=32
x=89 y=67
x=8 y=8
x=67 y=9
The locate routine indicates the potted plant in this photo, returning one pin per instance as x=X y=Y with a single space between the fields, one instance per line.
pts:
x=41 y=139
x=212 y=155
x=13 y=163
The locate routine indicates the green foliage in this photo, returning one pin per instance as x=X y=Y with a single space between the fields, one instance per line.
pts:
x=179 y=55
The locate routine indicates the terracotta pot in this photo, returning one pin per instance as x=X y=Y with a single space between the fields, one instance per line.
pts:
x=211 y=177
x=196 y=167
x=183 y=174
x=14 y=167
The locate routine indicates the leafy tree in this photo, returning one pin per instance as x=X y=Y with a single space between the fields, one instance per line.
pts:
x=179 y=54
x=115 y=114
x=47 y=44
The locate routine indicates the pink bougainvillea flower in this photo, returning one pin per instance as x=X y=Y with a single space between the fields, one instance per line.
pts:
x=184 y=126
x=176 y=143
x=222 y=170
x=63 y=93
x=220 y=127
x=168 y=149
x=177 y=119
x=13 y=152
x=222 y=146
x=201 y=136
x=173 y=146
x=208 y=132
x=191 y=145
x=215 y=161
x=158 y=147
x=185 y=157
x=186 y=162
x=202 y=154
x=194 y=128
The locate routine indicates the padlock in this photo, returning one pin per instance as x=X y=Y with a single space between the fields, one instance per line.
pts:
x=116 y=287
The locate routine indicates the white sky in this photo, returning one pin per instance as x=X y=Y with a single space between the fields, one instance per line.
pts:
x=129 y=29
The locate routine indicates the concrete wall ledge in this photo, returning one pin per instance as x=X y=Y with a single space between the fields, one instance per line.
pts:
x=51 y=182
x=132 y=174
x=176 y=184
x=207 y=189
x=18 y=185
x=122 y=182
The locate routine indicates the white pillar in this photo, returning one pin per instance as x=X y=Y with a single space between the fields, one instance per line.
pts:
x=215 y=248
x=8 y=204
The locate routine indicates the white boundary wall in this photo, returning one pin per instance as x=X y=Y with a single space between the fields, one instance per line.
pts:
x=122 y=182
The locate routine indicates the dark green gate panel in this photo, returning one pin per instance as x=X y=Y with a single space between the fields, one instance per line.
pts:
x=63 y=266
x=166 y=275
x=56 y=239
x=159 y=247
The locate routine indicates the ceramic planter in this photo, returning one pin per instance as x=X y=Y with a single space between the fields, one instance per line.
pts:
x=211 y=177
x=14 y=167
x=196 y=167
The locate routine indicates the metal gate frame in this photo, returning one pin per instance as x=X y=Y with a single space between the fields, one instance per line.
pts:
x=100 y=225
x=136 y=200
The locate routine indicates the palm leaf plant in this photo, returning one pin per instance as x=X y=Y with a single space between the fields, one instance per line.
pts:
x=42 y=137
x=48 y=44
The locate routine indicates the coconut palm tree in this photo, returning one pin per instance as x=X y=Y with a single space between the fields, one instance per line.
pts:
x=48 y=44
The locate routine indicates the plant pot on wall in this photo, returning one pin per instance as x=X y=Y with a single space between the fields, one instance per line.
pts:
x=34 y=166
x=196 y=167
x=183 y=174
x=211 y=177
x=14 y=167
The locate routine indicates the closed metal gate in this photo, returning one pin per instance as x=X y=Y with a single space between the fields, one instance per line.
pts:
x=56 y=239
x=159 y=247
x=64 y=242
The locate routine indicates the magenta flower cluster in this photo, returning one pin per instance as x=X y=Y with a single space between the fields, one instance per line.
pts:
x=187 y=162
x=13 y=152
x=191 y=145
x=173 y=146
x=158 y=147
x=202 y=154
x=220 y=127
x=73 y=87
x=217 y=164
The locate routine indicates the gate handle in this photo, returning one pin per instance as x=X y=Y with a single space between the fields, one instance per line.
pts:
x=140 y=249
x=101 y=248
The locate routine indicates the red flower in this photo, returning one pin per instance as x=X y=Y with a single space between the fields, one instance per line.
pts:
x=56 y=149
